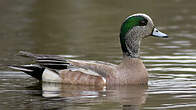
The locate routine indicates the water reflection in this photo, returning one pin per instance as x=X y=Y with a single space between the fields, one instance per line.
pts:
x=61 y=90
x=130 y=97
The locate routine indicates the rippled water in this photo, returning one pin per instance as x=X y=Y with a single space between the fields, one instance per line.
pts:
x=89 y=29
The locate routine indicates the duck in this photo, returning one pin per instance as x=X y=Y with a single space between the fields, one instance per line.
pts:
x=131 y=70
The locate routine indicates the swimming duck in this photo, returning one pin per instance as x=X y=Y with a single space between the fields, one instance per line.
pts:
x=54 y=68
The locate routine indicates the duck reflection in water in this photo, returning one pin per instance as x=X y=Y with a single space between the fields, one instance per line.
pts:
x=130 y=97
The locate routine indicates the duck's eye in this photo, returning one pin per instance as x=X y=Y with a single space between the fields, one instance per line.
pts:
x=143 y=22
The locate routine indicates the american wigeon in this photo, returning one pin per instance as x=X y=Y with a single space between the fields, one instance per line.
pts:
x=131 y=70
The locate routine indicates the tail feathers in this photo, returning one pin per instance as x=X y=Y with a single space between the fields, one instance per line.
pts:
x=50 y=61
x=26 y=54
x=53 y=63
x=35 y=71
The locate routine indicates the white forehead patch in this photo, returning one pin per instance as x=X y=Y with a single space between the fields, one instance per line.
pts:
x=141 y=14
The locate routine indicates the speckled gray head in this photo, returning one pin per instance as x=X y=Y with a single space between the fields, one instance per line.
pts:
x=135 y=28
x=142 y=24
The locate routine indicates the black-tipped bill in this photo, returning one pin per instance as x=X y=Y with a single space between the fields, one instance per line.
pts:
x=157 y=33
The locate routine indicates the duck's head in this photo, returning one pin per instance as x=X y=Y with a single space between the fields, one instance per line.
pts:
x=133 y=30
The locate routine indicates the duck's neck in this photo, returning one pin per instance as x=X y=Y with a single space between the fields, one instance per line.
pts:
x=132 y=71
x=130 y=44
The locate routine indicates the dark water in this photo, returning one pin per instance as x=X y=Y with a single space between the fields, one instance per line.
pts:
x=89 y=29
